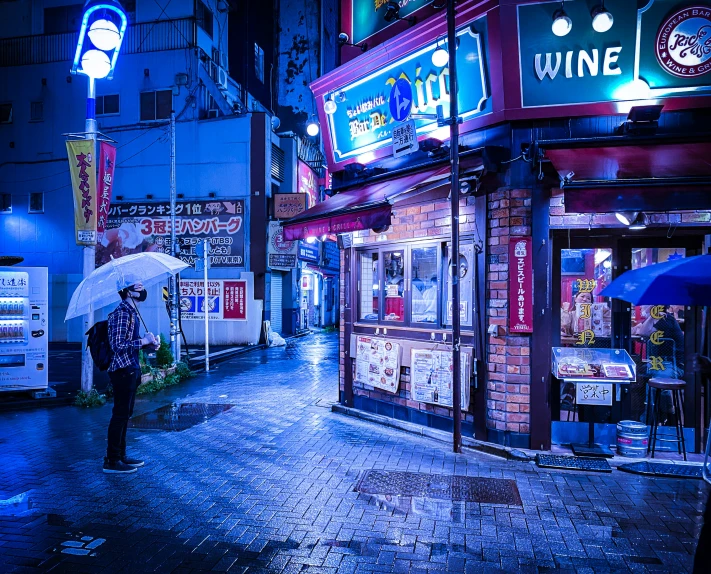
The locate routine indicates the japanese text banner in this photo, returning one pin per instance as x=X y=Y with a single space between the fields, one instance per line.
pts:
x=82 y=168
x=520 y=285
x=107 y=163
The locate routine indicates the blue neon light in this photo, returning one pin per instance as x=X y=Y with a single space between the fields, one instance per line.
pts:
x=82 y=37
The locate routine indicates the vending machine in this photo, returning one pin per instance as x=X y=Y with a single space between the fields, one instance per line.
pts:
x=24 y=329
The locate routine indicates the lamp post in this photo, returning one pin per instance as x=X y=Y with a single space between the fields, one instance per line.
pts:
x=102 y=30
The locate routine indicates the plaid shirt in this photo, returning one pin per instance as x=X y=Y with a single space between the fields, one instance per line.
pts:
x=124 y=337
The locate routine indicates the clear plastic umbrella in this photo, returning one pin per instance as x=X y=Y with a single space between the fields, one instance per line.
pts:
x=101 y=287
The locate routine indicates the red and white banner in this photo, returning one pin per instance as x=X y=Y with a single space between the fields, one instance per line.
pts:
x=520 y=285
x=226 y=300
x=107 y=163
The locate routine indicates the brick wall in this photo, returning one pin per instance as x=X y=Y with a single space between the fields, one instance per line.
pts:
x=509 y=364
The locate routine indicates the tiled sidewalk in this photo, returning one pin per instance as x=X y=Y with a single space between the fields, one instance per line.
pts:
x=268 y=486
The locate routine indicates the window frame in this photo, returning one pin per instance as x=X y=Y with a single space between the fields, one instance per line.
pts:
x=103 y=105
x=32 y=104
x=439 y=323
x=201 y=10
x=4 y=211
x=29 y=204
x=359 y=285
x=259 y=63
x=394 y=248
x=11 y=116
x=155 y=105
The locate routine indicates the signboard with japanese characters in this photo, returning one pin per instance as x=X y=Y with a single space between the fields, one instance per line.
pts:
x=226 y=300
x=138 y=227
x=14 y=284
x=378 y=363
x=307 y=182
x=520 y=285
x=431 y=377
x=281 y=253
x=308 y=252
x=107 y=164
x=82 y=169
x=405 y=139
x=593 y=394
x=288 y=205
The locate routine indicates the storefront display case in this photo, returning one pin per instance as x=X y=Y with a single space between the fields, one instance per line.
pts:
x=584 y=364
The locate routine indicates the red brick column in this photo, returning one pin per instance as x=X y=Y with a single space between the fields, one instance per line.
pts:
x=509 y=370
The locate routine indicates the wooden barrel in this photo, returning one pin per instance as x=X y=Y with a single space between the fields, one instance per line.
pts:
x=632 y=439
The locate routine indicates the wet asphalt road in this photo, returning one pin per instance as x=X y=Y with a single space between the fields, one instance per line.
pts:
x=268 y=485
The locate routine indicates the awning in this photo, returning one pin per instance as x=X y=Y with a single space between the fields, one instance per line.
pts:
x=369 y=206
x=630 y=174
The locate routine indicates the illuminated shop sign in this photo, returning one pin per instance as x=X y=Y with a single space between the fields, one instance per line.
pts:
x=369 y=15
x=362 y=122
x=664 y=48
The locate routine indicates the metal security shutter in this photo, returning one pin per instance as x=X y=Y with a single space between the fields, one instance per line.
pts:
x=277 y=277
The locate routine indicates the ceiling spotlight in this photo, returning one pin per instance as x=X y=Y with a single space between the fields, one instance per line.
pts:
x=602 y=19
x=562 y=24
x=329 y=106
x=312 y=127
x=440 y=57
x=626 y=217
x=640 y=222
x=392 y=13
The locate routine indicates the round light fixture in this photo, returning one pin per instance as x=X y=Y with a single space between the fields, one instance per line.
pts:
x=440 y=57
x=312 y=127
x=562 y=24
x=602 y=19
x=104 y=34
x=310 y=240
x=95 y=64
x=329 y=106
x=639 y=223
x=626 y=217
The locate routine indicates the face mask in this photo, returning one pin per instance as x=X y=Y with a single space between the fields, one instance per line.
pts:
x=139 y=296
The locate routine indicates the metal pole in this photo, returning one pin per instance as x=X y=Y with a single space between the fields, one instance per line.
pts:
x=89 y=252
x=173 y=284
x=454 y=157
x=207 y=308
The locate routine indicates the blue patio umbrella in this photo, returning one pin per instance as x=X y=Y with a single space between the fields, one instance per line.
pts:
x=678 y=282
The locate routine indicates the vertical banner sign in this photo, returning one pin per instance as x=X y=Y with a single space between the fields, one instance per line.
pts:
x=226 y=300
x=82 y=167
x=308 y=182
x=520 y=285
x=107 y=163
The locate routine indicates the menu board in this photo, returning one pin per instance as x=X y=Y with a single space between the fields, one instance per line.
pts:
x=378 y=363
x=431 y=377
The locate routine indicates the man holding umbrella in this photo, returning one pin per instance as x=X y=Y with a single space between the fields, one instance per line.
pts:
x=125 y=375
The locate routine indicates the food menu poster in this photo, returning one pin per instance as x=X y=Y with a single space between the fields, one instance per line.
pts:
x=378 y=363
x=431 y=377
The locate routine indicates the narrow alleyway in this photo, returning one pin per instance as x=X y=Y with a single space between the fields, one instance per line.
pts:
x=269 y=486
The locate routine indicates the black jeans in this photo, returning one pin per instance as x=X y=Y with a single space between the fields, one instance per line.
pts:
x=125 y=383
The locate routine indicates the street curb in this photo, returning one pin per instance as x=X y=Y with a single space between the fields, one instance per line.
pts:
x=469 y=443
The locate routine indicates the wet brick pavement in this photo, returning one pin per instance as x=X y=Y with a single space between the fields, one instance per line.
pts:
x=269 y=486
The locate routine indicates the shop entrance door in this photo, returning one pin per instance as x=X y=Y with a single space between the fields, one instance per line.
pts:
x=661 y=339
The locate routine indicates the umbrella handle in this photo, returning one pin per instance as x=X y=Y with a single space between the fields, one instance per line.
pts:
x=138 y=313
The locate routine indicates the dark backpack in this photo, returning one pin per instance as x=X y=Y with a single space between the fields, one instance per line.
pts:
x=99 y=346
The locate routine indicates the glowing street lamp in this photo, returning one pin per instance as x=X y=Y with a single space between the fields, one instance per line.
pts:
x=102 y=30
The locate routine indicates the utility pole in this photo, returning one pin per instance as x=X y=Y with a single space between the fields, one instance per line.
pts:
x=206 y=304
x=173 y=282
x=89 y=251
x=454 y=254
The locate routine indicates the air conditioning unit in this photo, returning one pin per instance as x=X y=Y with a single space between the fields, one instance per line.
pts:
x=222 y=79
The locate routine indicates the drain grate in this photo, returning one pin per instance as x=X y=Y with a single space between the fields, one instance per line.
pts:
x=440 y=486
x=177 y=417
x=572 y=462
x=662 y=469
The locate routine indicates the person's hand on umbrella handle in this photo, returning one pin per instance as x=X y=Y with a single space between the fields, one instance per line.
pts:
x=149 y=340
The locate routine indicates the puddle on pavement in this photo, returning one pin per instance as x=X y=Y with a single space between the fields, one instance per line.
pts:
x=20 y=505
x=449 y=510
x=419 y=485
x=177 y=417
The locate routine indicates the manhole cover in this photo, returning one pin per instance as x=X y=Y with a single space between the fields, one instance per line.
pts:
x=177 y=417
x=572 y=462
x=439 y=486
x=662 y=469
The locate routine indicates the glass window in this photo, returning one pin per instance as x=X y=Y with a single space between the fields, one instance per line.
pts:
x=148 y=106
x=36 y=203
x=5 y=203
x=156 y=105
x=369 y=287
x=204 y=18
x=5 y=113
x=36 y=111
x=424 y=284
x=657 y=339
x=107 y=105
x=259 y=63
x=394 y=275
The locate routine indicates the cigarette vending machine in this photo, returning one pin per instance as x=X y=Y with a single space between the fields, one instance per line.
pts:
x=24 y=328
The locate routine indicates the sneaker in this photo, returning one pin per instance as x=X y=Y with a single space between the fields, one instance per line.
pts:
x=132 y=461
x=118 y=467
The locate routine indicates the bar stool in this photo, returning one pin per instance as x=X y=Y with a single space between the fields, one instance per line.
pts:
x=676 y=386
